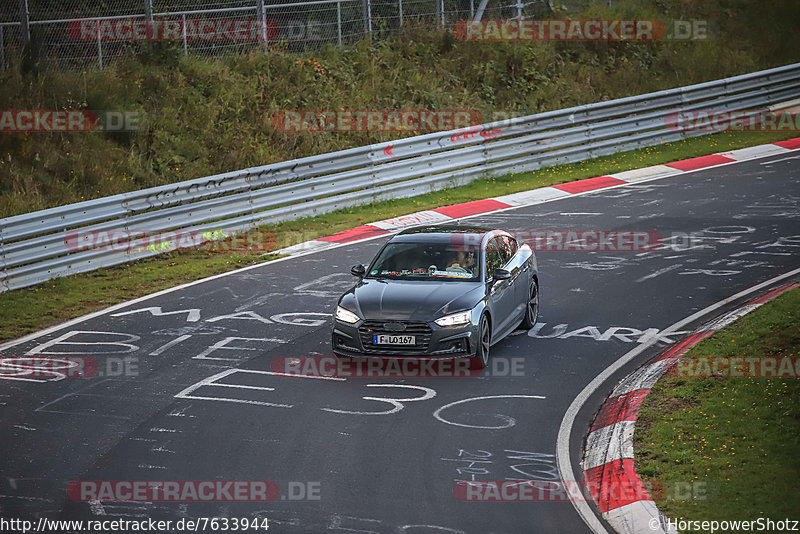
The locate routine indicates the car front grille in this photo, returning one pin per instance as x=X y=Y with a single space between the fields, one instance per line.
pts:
x=421 y=332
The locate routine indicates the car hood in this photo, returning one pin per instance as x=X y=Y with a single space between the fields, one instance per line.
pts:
x=411 y=300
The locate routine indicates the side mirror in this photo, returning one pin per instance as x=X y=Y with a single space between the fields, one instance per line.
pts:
x=358 y=270
x=501 y=274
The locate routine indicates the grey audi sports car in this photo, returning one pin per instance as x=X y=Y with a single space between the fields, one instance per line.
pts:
x=440 y=291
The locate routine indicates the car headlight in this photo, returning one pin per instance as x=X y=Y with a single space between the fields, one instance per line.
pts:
x=454 y=319
x=346 y=316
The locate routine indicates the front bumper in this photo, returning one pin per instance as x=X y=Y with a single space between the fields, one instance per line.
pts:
x=432 y=340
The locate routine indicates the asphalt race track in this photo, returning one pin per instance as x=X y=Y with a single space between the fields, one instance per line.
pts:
x=198 y=402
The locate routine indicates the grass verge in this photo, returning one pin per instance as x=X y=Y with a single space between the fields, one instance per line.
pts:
x=27 y=310
x=734 y=440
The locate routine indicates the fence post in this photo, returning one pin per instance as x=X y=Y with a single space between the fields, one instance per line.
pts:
x=183 y=25
x=400 y=7
x=148 y=17
x=99 y=47
x=24 y=26
x=261 y=15
x=481 y=8
x=339 y=22
x=367 y=16
x=519 y=9
x=440 y=10
x=2 y=50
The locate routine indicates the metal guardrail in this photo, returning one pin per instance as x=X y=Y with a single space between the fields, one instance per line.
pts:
x=42 y=245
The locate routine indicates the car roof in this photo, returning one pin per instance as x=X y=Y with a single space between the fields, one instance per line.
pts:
x=437 y=233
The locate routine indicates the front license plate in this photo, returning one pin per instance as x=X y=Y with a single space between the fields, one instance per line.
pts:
x=383 y=339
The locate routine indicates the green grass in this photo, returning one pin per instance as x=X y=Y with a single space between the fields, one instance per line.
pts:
x=212 y=116
x=737 y=439
x=27 y=310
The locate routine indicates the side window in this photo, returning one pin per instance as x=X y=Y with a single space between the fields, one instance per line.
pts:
x=509 y=248
x=494 y=256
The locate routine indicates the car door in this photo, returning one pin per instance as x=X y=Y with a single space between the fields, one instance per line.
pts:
x=519 y=269
x=502 y=297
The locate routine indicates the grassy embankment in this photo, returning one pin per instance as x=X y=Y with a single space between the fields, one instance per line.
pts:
x=207 y=116
x=735 y=439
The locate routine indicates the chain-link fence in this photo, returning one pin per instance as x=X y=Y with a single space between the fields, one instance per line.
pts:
x=82 y=33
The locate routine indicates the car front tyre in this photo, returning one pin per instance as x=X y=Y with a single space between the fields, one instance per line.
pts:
x=481 y=358
x=531 y=307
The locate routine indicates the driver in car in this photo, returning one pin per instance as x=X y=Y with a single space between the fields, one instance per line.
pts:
x=462 y=260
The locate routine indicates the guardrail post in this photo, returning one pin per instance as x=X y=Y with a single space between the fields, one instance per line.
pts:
x=589 y=125
x=3 y=267
x=682 y=131
x=4 y=279
x=339 y=22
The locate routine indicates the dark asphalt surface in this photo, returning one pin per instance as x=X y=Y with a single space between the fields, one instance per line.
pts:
x=733 y=227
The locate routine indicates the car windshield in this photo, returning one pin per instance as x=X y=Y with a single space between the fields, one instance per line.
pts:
x=425 y=261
